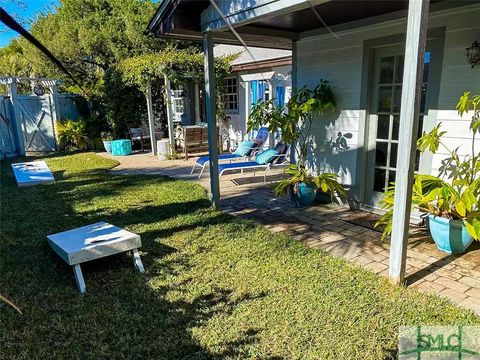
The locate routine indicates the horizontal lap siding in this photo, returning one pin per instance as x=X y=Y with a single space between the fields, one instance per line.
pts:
x=343 y=68
x=457 y=77
x=458 y=136
x=340 y=62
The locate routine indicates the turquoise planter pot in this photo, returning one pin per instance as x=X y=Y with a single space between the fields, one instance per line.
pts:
x=305 y=196
x=450 y=236
x=121 y=147
x=108 y=146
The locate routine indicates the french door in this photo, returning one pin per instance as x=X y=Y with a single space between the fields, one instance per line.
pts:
x=384 y=119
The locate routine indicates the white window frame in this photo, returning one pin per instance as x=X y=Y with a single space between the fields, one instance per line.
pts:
x=230 y=95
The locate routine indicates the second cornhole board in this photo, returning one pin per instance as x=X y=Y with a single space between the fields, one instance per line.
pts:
x=92 y=242
x=32 y=173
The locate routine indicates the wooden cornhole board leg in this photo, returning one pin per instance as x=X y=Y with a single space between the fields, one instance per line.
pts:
x=137 y=262
x=77 y=270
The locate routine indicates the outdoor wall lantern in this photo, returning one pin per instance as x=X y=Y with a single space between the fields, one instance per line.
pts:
x=473 y=54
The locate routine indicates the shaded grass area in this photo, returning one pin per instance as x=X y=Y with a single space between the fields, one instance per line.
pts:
x=215 y=286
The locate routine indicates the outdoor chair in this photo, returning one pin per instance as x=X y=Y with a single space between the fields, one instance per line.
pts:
x=138 y=134
x=194 y=138
x=265 y=161
x=245 y=150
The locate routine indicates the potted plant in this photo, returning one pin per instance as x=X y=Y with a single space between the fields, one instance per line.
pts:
x=294 y=121
x=107 y=138
x=452 y=206
x=303 y=186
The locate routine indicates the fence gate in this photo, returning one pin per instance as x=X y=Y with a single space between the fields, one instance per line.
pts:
x=7 y=131
x=35 y=114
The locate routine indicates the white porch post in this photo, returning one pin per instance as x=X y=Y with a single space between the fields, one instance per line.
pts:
x=211 y=118
x=12 y=93
x=410 y=105
x=168 y=99
x=196 y=104
x=151 y=120
x=293 y=159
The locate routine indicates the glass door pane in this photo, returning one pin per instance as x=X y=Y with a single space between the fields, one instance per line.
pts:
x=386 y=103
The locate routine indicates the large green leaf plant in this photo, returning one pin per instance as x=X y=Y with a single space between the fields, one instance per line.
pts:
x=455 y=192
x=294 y=120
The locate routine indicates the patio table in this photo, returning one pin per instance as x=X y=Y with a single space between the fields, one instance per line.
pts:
x=92 y=242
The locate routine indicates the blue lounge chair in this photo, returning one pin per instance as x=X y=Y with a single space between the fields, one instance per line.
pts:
x=280 y=159
x=259 y=141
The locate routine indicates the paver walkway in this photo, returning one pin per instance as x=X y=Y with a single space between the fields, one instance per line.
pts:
x=455 y=277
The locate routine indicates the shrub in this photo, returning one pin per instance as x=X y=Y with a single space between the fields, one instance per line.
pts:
x=72 y=135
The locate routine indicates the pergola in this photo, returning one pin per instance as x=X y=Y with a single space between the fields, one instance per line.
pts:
x=171 y=65
x=279 y=24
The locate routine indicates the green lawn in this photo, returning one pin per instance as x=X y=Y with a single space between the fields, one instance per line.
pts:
x=215 y=286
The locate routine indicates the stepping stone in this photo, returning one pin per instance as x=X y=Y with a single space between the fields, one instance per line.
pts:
x=32 y=173
x=92 y=242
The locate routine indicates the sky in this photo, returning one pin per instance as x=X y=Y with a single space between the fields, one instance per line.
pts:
x=22 y=11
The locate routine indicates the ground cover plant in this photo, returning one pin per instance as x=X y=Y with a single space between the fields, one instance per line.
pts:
x=215 y=286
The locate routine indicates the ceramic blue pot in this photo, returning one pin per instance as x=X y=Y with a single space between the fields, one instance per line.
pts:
x=108 y=146
x=305 y=196
x=450 y=236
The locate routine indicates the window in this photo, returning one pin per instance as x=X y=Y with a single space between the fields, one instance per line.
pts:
x=178 y=104
x=230 y=96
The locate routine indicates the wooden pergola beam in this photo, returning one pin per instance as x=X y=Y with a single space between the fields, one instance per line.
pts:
x=417 y=24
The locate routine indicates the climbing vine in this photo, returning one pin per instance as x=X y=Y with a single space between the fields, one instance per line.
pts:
x=179 y=66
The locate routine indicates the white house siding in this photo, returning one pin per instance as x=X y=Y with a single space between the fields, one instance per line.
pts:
x=341 y=61
x=457 y=77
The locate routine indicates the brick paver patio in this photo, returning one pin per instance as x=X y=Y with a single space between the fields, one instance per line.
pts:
x=455 y=277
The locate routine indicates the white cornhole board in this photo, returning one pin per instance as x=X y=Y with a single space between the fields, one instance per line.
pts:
x=32 y=173
x=94 y=242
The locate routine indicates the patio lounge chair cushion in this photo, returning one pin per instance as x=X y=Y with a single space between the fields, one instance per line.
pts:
x=266 y=156
x=244 y=148
x=239 y=165
x=202 y=160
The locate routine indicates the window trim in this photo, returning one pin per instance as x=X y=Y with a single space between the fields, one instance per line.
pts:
x=227 y=94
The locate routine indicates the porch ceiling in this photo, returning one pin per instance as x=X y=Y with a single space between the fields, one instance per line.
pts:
x=182 y=19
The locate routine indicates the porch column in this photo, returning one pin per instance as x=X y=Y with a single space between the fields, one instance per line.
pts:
x=293 y=159
x=19 y=138
x=168 y=99
x=151 y=120
x=210 y=99
x=410 y=105
x=196 y=103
